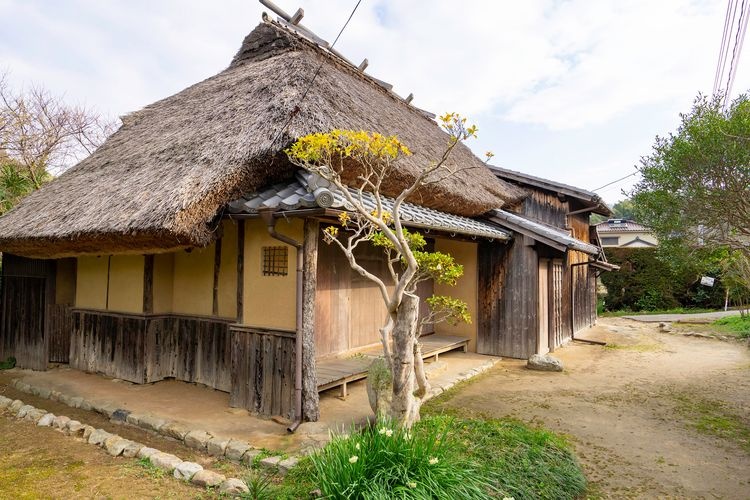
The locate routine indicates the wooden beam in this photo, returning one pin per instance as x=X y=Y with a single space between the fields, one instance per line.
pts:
x=240 y=267
x=148 y=284
x=217 y=269
x=310 y=399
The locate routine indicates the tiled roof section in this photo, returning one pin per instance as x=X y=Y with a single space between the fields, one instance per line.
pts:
x=311 y=191
x=542 y=233
x=620 y=226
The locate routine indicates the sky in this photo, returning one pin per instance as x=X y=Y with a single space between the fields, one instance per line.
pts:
x=572 y=90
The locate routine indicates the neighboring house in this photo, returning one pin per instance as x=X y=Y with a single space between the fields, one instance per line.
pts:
x=156 y=257
x=624 y=233
x=545 y=277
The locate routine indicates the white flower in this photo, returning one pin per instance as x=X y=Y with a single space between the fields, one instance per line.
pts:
x=381 y=430
x=411 y=485
x=508 y=498
x=433 y=460
x=353 y=459
x=389 y=432
x=357 y=446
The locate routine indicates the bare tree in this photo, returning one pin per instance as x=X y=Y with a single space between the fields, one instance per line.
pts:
x=376 y=219
x=42 y=135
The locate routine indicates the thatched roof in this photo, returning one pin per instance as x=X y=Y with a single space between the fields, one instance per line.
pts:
x=163 y=178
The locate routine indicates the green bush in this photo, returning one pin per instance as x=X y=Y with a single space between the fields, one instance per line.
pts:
x=647 y=283
x=738 y=325
x=386 y=461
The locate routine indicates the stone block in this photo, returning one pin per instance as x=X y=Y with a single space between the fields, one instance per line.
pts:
x=134 y=419
x=147 y=452
x=270 y=463
x=544 y=362
x=23 y=387
x=61 y=421
x=151 y=422
x=207 y=479
x=87 y=431
x=116 y=445
x=55 y=395
x=98 y=437
x=132 y=449
x=217 y=446
x=197 y=439
x=74 y=428
x=174 y=430
x=46 y=420
x=235 y=450
x=233 y=486
x=249 y=456
x=287 y=464
x=35 y=415
x=85 y=405
x=23 y=410
x=15 y=406
x=186 y=470
x=42 y=392
x=120 y=415
x=165 y=461
x=76 y=402
x=5 y=402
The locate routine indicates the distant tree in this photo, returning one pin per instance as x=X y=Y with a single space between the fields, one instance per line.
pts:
x=624 y=209
x=41 y=136
x=695 y=186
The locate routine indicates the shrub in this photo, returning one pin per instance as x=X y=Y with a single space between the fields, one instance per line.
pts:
x=386 y=461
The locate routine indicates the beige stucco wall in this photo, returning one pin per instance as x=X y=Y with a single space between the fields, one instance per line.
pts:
x=126 y=283
x=163 y=282
x=627 y=237
x=228 y=271
x=91 y=282
x=193 y=284
x=465 y=289
x=269 y=301
x=65 y=281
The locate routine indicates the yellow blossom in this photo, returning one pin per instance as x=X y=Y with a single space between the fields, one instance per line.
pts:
x=433 y=460
x=353 y=459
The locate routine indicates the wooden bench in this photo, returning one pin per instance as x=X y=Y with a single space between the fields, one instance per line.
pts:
x=338 y=372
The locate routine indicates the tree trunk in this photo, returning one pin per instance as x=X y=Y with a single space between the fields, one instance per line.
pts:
x=404 y=407
x=310 y=401
x=423 y=386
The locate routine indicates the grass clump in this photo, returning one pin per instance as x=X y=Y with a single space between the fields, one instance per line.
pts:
x=714 y=418
x=736 y=325
x=443 y=456
x=386 y=461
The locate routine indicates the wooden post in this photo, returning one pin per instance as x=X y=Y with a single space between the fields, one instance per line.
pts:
x=217 y=269
x=310 y=400
x=148 y=284
x=240 y=268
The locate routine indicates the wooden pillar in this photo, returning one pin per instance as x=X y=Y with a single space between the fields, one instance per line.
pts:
x=148 y=284
x=310 y=400
x=217 y=270
x=240 y=268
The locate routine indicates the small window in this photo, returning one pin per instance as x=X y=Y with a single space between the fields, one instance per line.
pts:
x=275 y=261
x=610 y=241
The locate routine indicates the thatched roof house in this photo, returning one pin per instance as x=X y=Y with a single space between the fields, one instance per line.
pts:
x=161 y=180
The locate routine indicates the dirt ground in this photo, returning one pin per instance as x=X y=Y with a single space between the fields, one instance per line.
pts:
x=651 y=415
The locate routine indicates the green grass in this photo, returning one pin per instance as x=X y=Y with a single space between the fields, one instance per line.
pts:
x=676 y=310
x=735 y=325
x=477 y=457
x=714 y=418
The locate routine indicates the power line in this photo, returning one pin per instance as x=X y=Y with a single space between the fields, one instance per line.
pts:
x=615 y=181
x=718 y=76
x=738 y=42
x=295 y=109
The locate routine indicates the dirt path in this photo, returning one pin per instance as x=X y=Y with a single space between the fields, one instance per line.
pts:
x=651 y=415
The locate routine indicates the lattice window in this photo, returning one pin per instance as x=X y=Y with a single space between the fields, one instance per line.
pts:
x=275 y=261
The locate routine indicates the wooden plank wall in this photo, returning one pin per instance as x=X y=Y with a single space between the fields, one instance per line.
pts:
x=559 y=333
x=22 y=327
x=262 y=371
x=583 y=281
x=189 y=349
x=61 y=327
x=508 y=287
x=112 y=344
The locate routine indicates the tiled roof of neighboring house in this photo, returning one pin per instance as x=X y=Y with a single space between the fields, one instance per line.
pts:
x=620 y=226
x=588 y=198
x=555 y=238
x=311 y=191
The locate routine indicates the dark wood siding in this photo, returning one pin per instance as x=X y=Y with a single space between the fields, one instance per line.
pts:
x=262 y=371
x=508 y=297
x=255 y=366
x=27 y=296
